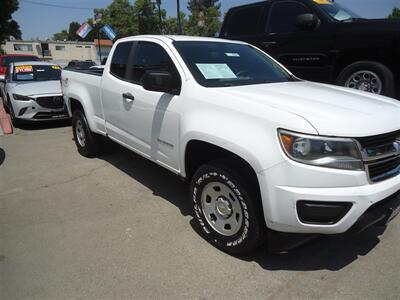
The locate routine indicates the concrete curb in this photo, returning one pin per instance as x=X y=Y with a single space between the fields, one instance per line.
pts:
x=5 y=121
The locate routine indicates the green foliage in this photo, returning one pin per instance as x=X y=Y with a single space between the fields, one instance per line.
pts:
x=142 y=17
x=204 y=18
x=60 y=36
x=395 y=13
x=8 y=27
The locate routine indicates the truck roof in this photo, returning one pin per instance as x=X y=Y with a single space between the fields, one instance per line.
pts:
x=169 y=38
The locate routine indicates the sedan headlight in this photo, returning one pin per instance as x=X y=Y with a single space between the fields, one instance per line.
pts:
x=338 y=153
x=22 y=97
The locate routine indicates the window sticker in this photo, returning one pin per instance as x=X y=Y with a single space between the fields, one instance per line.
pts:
x=56 y=67
x=23 y=69
x=323 y=1
x=232 y=54
x=216 y=71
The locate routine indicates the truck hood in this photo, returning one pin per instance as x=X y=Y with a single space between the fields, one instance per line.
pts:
x=37 y=88
x=331 y=110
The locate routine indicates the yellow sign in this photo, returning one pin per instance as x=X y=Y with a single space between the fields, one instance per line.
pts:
x=323 y=1
x=23 y=69
x=56 y=67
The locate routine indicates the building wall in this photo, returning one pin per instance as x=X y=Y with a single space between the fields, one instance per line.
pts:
x=58 y=51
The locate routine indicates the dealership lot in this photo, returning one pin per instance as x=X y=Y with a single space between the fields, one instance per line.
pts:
x=119 y=227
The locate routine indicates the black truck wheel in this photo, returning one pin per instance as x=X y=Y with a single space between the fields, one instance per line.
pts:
x=226 y=209
x=87 y=142
x=369 y=76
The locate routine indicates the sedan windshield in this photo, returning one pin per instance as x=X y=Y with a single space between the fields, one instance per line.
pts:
x=218 y=64
x=36 y=73
x=336 y=11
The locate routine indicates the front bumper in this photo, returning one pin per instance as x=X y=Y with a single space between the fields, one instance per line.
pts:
x=287 y=183
x=32 y=111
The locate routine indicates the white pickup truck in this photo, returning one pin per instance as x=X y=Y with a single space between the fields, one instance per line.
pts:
x=269 y=157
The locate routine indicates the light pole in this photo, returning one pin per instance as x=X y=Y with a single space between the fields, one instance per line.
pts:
x=178 y=11
x=158 y=2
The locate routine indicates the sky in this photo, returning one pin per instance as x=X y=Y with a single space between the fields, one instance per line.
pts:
x=38 y=21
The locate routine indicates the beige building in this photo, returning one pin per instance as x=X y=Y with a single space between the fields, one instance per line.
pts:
x=60 y=52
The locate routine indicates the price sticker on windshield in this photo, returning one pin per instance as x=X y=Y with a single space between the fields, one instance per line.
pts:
x=323 y=1
x=23 y=69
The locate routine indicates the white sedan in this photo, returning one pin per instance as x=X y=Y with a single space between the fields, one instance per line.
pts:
x=33 y=92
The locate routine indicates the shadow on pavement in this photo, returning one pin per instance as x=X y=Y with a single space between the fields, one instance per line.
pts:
x=323 y=253
x=44 y=125
x=2 y=156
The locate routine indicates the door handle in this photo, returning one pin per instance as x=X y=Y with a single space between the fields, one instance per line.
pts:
x=269 y=44
x=128 y=97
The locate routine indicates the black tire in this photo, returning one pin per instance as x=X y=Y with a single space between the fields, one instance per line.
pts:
x=252 y=230
x=383 y=73
x=90 y=145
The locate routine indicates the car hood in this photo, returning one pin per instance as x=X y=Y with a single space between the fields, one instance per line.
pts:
x=331 y=110
x=37 y=88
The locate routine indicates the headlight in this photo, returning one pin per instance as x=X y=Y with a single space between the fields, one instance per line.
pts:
x=22 y=97
x=338 y=153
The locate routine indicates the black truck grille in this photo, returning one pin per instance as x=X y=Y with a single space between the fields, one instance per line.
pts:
x=381 y=168
x=51 y=102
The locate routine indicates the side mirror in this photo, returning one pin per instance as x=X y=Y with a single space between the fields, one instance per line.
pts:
x=307 y=21
x=160 y=81
x=2 y=78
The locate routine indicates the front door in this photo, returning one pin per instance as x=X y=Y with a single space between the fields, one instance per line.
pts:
x=147 y=121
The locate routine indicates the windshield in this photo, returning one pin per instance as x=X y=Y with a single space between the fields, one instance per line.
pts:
x=336 y=11
x=9 y=59
x=217 y=64
x=36 y=73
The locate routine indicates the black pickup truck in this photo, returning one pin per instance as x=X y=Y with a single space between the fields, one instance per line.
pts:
x=323 y=41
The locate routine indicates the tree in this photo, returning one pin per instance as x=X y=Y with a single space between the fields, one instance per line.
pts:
x=61 y=36
x=120 y=15
x=8 y=27
x=395 y=13
x=170 y=25
x=204 y=18
x=73 y=27
x=147 y=16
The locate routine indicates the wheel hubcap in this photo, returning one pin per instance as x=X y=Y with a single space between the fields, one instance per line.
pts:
x=80 y=133
x=221 y=208
x=365 y=81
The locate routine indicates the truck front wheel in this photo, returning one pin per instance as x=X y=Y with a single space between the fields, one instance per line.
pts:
x=87 y=142
x=226 y=209
x=368 y=76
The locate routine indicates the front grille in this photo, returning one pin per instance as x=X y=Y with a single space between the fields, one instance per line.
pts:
x=378 y=140
x=381 y=154
x=384 y=169
x=51 y=102
x=50 y=115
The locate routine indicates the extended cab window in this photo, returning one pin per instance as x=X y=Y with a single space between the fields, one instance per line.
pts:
x=120 y=60
x=150 y=56
x=245 y=21
x=283 y=16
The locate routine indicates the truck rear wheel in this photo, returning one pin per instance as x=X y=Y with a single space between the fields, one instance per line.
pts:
x=226 y=209
x=87 y=142
x=368 y=76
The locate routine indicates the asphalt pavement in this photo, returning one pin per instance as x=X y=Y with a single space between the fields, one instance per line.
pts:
x=120 y=227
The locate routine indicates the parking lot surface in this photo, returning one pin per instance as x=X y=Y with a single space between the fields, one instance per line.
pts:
x=120 y=227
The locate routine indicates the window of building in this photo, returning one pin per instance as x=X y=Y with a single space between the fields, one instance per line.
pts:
x=88 y=47
x=245 y=21
x=23 y=47
x=120 y=59
x=78 y=46
x=283 y=16
x=60 y=48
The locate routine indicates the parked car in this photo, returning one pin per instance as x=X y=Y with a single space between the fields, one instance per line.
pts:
x=6 y=59
x=323 y=41
x=33 y=92
x=80 y=64
x=266 y=154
